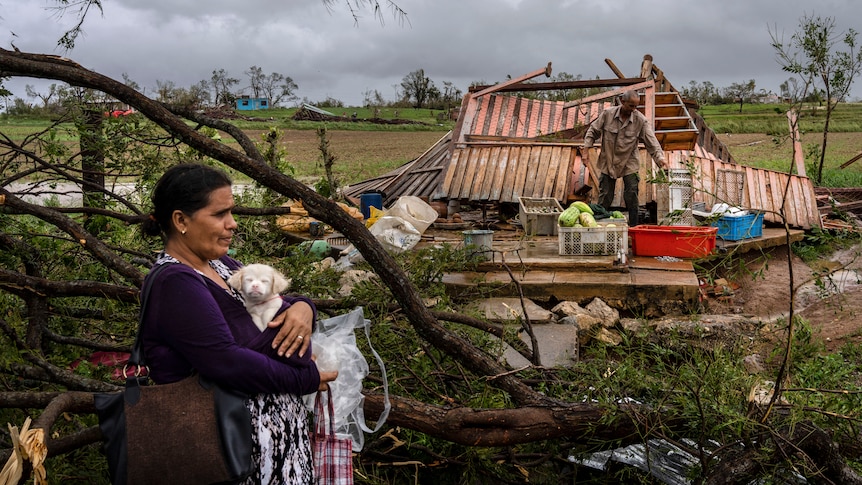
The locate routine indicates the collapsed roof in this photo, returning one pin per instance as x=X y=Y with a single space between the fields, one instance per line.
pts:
x=506 y=145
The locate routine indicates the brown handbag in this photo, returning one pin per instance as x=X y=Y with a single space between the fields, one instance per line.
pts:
x=189 y=432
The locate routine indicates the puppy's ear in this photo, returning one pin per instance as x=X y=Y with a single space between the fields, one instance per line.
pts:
x=235 y=280
x=279 y=282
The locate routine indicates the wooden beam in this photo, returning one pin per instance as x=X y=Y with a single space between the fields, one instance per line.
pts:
x=613 y=67
x=646 y=66
x=849 y=162
x=517 y=80
x=798 y=156
x=559 y=85
x=641 y=84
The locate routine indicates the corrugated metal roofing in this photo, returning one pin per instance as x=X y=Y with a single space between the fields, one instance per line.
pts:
x=502 y=172
x=420 y=177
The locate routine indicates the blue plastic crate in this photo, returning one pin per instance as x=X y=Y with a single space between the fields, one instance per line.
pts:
x=737 y=228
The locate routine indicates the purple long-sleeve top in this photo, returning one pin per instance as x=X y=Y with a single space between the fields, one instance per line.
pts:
x=191 y=323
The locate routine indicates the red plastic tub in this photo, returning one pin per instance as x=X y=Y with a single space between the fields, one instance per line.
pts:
x=677 y=241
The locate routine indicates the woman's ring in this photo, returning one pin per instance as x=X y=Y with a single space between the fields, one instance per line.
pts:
x=299 y=337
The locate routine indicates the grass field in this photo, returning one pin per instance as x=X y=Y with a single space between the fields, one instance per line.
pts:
x=756 y=137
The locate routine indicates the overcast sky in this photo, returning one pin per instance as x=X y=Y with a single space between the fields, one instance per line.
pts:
x=459 y=41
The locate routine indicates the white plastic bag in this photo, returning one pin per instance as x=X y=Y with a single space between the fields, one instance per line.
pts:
x=395 y=234
x=413 y=210
x=334 y=344
x=728 y=210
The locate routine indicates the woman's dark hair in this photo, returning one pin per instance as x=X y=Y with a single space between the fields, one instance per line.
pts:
x=185 y=187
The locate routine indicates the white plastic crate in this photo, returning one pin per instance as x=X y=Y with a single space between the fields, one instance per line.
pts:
x=594 y=241
x=539 y=215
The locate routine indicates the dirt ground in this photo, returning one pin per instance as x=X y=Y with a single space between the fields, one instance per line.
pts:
x=832 y=303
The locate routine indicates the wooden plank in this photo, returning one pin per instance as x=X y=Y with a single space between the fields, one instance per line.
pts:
x=485 y=174
x=673 y=123
x=499 y=174
x=851 y=161
x=509 y=82
x=806 y=195
x=523 y=183
x=465 y=120
x=804 y=201
x=551 y=174
x=483 y=106
x=454 y=174
x=529 y=122
x=775 y=190
x=469 y=174
x=553 y=125
x=540 y=171
x=501 y=123
x=666 y=98
x=790 y=204
x=507 y=123
x=798 y=155
x=521 y=115
x=811 y=203
x=562 y=186
x=492 y=123
x=545 y=126
x=509 y=175
x=650 y=104
x=606 y=95
x=758 y=181
x=668 y=111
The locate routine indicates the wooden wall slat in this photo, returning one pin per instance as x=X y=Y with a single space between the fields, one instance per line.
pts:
x=774 y=192
x=795 y=208
x=550 y=175
x=521 y=177
x=511 y=174
x=482 y=107
x=528 y=182
x=499 y=170
x=561 y=188
x=469 y=175
x=455 y=173
x=478 y=188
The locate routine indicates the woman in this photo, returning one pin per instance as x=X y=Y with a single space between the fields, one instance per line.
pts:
x=193 y=320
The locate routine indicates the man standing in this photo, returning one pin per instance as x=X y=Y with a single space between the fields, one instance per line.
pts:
x=621 y=128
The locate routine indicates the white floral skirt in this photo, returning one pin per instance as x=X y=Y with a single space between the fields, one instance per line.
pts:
x=282 y=450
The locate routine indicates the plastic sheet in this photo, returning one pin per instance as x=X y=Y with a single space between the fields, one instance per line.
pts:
x=335 y=346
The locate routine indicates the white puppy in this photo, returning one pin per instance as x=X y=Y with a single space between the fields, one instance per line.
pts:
x=260 y=285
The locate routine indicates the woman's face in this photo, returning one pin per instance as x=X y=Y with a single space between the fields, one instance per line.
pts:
x=209 y=230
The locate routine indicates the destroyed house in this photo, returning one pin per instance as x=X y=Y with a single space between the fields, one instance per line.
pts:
x=506 y=145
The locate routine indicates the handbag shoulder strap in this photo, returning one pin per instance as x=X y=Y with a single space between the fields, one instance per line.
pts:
x=137 y=356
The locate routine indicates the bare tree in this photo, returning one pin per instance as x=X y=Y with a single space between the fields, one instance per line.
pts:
x=418 y=87
x=222 y=85
x=45 y=97
x=278 y=88
x=815 y=53
x=255 y=78
x=741 y=92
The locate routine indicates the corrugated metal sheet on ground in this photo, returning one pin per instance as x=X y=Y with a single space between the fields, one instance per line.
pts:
x=421 y=177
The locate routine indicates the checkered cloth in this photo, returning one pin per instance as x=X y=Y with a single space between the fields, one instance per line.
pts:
x=333 y=456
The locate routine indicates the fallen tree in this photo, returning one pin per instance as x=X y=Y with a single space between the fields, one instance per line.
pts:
x=525 y=411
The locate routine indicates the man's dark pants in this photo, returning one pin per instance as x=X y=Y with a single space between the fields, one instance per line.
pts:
x=607 y=186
